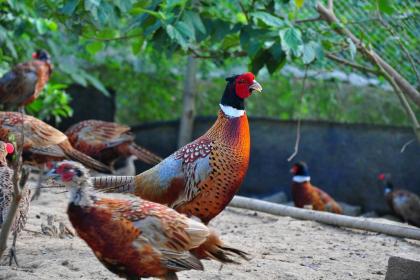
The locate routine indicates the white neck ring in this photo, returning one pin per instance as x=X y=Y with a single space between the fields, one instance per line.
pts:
x=301 y=179
x=231 y=112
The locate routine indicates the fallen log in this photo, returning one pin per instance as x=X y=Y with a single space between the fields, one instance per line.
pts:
x=325 y=217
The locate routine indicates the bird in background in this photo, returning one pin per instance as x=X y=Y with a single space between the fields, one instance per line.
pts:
x=6 y=194
x=132 y=237
x=107 y=142
x=305 y=195
x=42 y=142
x=405 y=204
x=202 y=177
x=25 y=81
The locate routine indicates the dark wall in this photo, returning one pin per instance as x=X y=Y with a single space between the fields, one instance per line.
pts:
x=343 y=159
x=88 y=103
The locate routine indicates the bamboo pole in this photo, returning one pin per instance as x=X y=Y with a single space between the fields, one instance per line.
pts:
x=325 y=217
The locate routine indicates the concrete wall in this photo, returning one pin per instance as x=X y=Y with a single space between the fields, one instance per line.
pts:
x=343 y=159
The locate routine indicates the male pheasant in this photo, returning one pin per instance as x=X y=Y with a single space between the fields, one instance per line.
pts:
x=6 y=193
x=201 y=178
x=25 y=81
x=306 y=195
x=107 y=142
x=132 y=237
x=42 y=142
x=403 y=203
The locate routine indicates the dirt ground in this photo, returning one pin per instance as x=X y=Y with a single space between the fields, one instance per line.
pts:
x=281 y=248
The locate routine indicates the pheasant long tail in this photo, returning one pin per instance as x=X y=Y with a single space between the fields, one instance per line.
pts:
x=74 y=154
x=144 y=154
x=213 y=248
x=118 y=184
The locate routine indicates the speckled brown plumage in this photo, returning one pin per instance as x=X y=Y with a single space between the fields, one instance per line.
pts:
x=42 y=142
x=403 y=203
x=25 y=81
x=306 y=195
x=133 y=237
x=107 y=141
x=201 y=178
x=6 y=193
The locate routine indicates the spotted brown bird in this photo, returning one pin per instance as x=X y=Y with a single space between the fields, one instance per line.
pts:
x=6 y=194
x=107 y=142
x=25 y=81
x=201 y=178
x=403 y=203
x=304 y=194
x=42 y=142
x=133 y=237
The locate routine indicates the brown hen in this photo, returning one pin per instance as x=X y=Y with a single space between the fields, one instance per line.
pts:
x=107 y=141
x=42 y=142
x=132 y=237
x=23 y=84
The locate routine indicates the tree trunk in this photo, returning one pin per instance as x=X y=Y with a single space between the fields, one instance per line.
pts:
x=188 y=110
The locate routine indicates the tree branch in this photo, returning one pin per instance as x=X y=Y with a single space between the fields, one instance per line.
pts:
x=352 y=64
x=17 y=189
x=389 y=28
x=296 y=148
x=331 y=5
x=217 y=55
x=404 y=102
x=402 y=83
x=299 y=21
x=124 y=37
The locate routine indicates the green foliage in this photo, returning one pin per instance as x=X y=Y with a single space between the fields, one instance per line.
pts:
x=136 y=47
x=52 y=103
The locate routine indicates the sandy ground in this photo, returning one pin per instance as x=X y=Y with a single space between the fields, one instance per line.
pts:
x=281 y=248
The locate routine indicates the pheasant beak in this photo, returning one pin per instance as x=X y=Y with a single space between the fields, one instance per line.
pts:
x=53 y=175
x=255 y=86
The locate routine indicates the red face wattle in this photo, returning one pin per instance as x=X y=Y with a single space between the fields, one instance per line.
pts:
x=381 y=176
x=294 y=169
x=245 y=84
x=66 y=172
x=34 y=55
x=10 y=148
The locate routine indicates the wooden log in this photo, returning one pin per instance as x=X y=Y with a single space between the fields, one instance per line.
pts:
x=325 y=217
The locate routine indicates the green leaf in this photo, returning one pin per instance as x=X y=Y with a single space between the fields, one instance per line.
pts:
x=136 y=46
x=92 y=5
x=94 y=47
x=291 y=41
x=96 y=83
x=175 y=35
x=195 y=21
x=123 y=5
x=106 y=33
x=78 y=78
x=268 y=19
x=185 y=29
x=230 y=41
x=386 y=6
x=299 y=3
x=309 y=52
x=70 y=6
x=352 y=48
